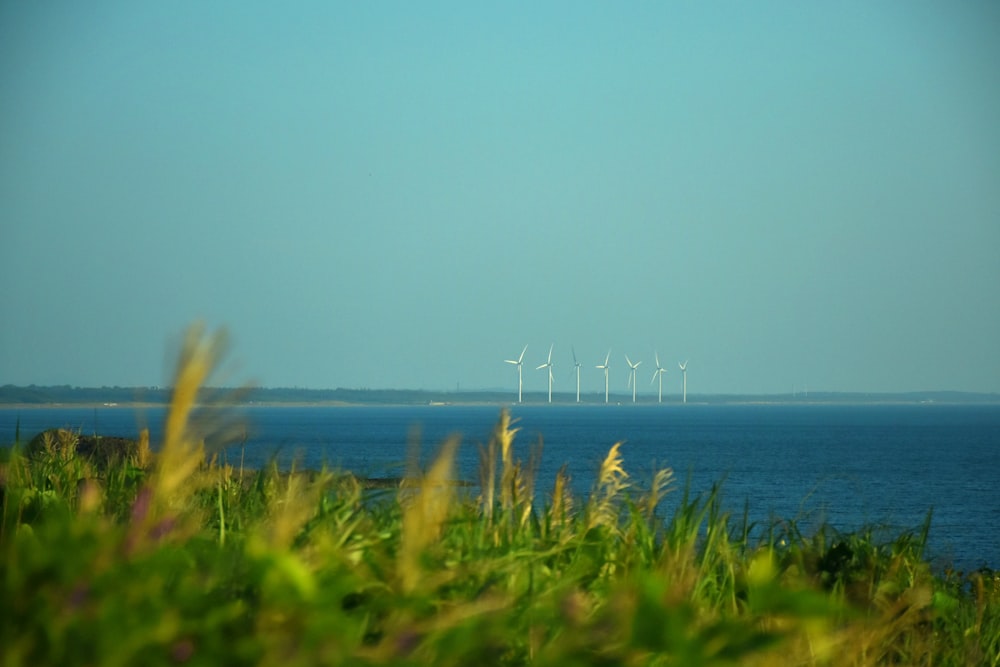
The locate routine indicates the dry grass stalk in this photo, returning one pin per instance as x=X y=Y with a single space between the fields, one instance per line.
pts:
x=562 y=500
x=424 y=514
x=144 y=455
x=662 y=485
x=611 y=481
x=290 y=511
x=525 y=490
x=159 y=506
x=504 y=435
x=183 y=451
x=487 y=478
x=60 y=444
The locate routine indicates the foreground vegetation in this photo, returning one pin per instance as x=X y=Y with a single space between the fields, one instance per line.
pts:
x=175 y=558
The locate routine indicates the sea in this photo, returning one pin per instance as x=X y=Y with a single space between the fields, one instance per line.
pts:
x=847 y=466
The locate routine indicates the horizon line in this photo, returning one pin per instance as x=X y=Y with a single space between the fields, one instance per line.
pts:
x=484 y=390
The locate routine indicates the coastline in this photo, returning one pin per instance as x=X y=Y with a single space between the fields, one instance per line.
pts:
x=146 y=405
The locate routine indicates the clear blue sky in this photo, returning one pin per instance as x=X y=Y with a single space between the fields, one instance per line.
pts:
x=402 y=195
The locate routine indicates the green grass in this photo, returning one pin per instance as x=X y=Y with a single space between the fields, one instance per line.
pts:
x=175 y=559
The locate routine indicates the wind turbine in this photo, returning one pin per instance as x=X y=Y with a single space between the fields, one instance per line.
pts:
x=631 y=374
x=605 y=367
x=518 y=364
x=684 y=371
x=548 y=364
x=577 y=365
x=658 y=373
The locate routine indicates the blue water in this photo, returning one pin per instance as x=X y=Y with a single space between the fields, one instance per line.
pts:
x=849 y=465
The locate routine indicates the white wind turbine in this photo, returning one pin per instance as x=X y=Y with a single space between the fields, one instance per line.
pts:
x=605 y=367
x=518 y=364
x=577 y=365
x=684 y=371
x=548 y=364
x=631 y=374
x=658 y=373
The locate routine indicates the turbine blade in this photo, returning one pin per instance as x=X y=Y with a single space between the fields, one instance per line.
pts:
x=522 y=354
x=657 y=355
x=574 y=356
x=550 y=352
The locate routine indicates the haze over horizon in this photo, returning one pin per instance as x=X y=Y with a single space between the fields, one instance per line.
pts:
x=404 y=195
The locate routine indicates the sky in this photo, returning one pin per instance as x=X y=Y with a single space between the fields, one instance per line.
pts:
x=388 y=195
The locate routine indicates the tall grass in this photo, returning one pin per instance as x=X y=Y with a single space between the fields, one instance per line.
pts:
x=174 y=558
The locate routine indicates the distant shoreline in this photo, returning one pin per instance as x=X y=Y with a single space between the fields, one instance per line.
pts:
x=469 y=403
x=32 y=396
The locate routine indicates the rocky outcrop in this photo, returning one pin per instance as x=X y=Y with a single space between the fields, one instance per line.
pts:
x=101 y=450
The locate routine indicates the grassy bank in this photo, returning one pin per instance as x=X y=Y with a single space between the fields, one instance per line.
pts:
x=174 y=559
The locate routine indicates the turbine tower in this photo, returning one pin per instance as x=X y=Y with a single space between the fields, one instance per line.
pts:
x=518 y=364
x=684 y=371
x=548 y=364
x=658 y=373
x=631 y=374
x=577 y=365
x=605 y=367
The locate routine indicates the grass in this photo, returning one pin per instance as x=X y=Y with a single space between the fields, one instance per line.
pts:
x=174 y=559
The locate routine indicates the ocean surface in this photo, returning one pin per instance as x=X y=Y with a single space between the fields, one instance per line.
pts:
x=848 y=465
